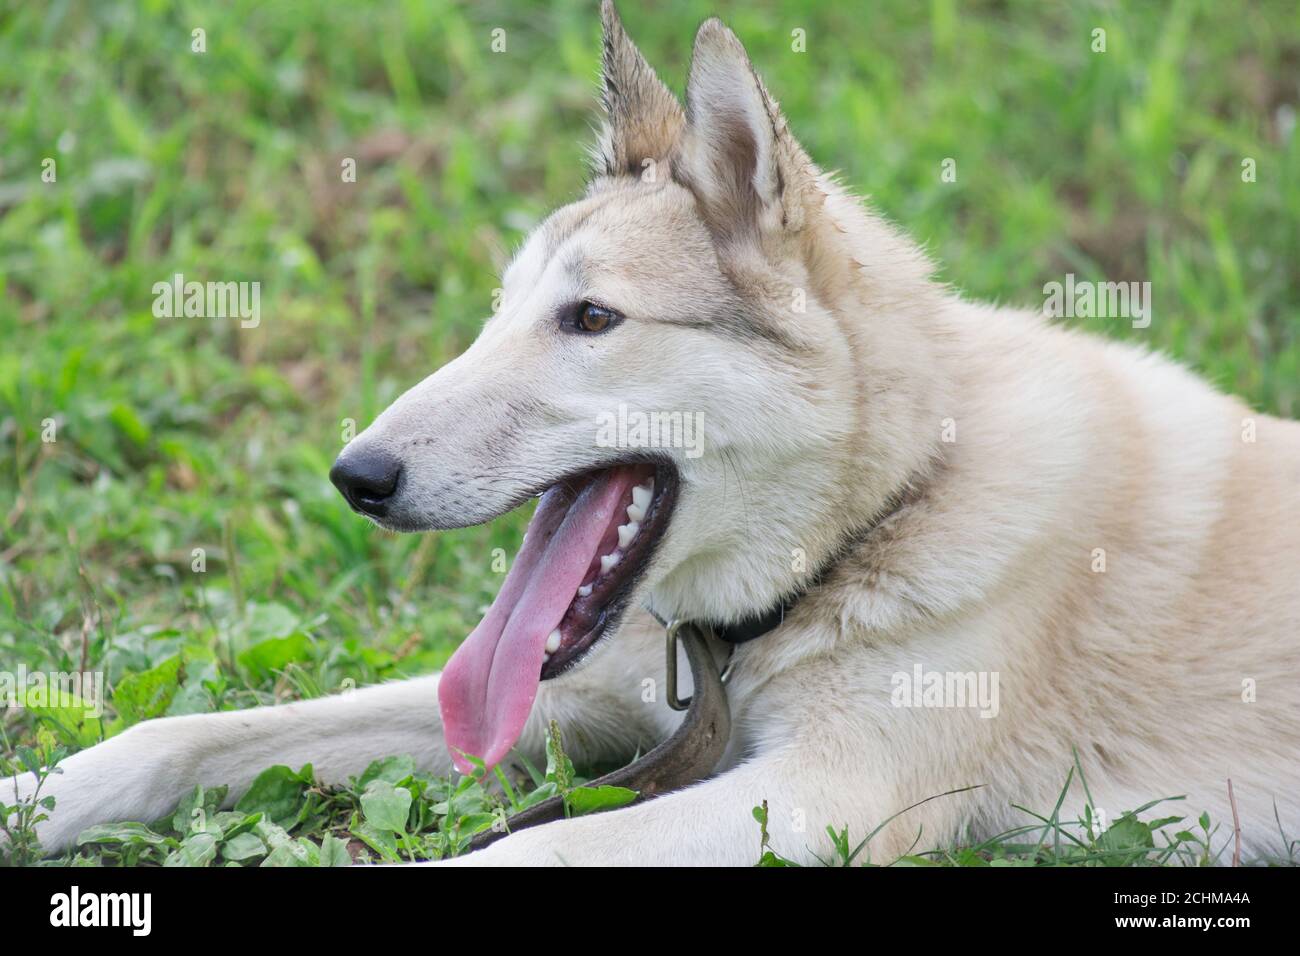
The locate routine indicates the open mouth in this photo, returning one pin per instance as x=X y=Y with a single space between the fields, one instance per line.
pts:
x=588 y=543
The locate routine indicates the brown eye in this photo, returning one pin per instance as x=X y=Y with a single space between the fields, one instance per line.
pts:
x=593 y=318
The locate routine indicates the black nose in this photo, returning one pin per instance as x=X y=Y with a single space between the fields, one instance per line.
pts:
x=367 y=480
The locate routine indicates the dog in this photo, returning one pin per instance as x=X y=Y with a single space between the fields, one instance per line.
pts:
x=922 y=486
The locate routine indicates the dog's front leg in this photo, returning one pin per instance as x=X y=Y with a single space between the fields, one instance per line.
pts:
x=144 y=772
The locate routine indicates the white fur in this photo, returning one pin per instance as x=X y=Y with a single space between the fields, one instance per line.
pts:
x=818 y=425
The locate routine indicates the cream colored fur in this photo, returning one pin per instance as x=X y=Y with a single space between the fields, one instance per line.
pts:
x=820 y=423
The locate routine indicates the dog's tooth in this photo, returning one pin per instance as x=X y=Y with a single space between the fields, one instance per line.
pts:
x=545 y=657
x=585 y=590
x=641 y=495
x=635 y=514
x=553 y=642
x=608 y=561
x=626 y=532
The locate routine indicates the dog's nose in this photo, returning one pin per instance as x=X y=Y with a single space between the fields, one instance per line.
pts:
x=367 y=480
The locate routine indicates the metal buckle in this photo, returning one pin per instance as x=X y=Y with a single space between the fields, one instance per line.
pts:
x=673 y=627
x=670 y=633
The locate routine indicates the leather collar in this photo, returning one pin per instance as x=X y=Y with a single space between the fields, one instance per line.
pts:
x=756 y=625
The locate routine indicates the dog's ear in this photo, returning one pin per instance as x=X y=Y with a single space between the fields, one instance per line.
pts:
x=737 y=154
x=643 y=120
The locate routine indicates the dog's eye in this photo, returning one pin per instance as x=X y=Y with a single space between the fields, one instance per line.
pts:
x=592 y=318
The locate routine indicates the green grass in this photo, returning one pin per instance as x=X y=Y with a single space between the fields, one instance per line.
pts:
x=180 y=434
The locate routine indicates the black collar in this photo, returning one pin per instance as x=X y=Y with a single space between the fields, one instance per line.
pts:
x=756 y=625
x=748 y=628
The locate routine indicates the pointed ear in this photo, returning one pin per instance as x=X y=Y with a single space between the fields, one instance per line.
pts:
x=737 y=154
x=643 y=120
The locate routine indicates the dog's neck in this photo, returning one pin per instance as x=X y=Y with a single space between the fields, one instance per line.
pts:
x=887 y=397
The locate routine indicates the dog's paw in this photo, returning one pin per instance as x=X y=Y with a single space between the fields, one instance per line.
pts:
x=66 y=811
x=119 y=779
x=21 y=791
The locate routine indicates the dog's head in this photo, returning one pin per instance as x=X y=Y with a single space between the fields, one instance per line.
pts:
x=665 y=370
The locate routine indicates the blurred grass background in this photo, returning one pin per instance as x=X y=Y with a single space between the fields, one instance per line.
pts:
x=179 y=434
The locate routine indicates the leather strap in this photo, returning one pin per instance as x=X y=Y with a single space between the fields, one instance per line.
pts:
x=755 y=627
x=690 y=754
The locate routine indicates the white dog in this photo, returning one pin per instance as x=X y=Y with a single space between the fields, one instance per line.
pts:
x=994 y=540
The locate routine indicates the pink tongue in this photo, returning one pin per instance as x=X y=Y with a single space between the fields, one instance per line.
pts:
x=487 y=688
